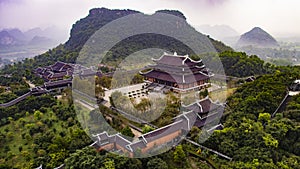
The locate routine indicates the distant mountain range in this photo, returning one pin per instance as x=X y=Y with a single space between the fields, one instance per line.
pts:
x=256 y=42
x=35 y=36
x=259 y=42
x=257 y=37
x=6 y=39
x=16 y=45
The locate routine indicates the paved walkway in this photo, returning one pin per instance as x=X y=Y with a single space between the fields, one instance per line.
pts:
x=214 y=87
x=31 y=85
x=292 y=93
x=84 y=104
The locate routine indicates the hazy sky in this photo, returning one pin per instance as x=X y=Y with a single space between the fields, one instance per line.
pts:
x=279 y=17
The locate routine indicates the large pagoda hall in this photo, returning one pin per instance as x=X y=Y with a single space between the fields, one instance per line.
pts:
x=180 y=73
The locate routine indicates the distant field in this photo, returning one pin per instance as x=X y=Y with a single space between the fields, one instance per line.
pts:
x=21 y=54
x=26 y=51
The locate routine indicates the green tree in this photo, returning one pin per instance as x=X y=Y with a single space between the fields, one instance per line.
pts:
x=264 y=117
x=127 y=132
x=37 y=115
x=137 y=79
x=270 y=141
x=157 y=163
x=143 y=105
x=203 y=93
x=147 y=129
x=84 y=158
x=108 y=164
x=179 y=155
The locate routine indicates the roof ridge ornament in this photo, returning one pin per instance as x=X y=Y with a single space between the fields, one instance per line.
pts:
x=183 y=61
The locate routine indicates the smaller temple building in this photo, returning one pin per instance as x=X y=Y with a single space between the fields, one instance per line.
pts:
x=180 y=73
x=62 y=71
x=57 y=71
x=202 y=113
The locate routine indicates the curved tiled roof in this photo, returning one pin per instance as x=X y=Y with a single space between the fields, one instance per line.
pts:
x=60 y=66
x=140 y=144
x=175 y=60
x=177 y=69
x=164 y=131
x=181 y=79
x=203 y=106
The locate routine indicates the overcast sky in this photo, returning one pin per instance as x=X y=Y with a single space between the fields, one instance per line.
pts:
x=279 y=17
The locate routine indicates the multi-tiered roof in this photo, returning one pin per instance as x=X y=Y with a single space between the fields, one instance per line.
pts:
x=177 y=70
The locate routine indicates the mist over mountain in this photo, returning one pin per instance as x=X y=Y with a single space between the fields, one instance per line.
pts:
x=16 y=44
x=52 y=32
x=257 y=37
x=7 y=39
x=26 y=36
x=16 y=33
x=224 y=33
x=40 y=40
x=218 y=31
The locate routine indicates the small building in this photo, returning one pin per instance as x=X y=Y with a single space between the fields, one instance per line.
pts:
x=203 y=107
x=206 y=111
x=181 y=73
x=60 y=67
x=250 y=79
x=57 y=71
x=295 y=86
x=62 y=71
x=146 y=143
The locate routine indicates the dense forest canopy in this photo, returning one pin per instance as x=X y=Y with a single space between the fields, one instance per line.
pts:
x=251 y=136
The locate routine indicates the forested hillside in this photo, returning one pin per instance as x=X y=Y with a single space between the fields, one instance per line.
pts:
x=45 y=130
x=83 y=29
x=238 y=64
x=251 y=136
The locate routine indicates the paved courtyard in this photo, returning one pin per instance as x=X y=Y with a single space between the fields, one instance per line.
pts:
x=123 y=90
